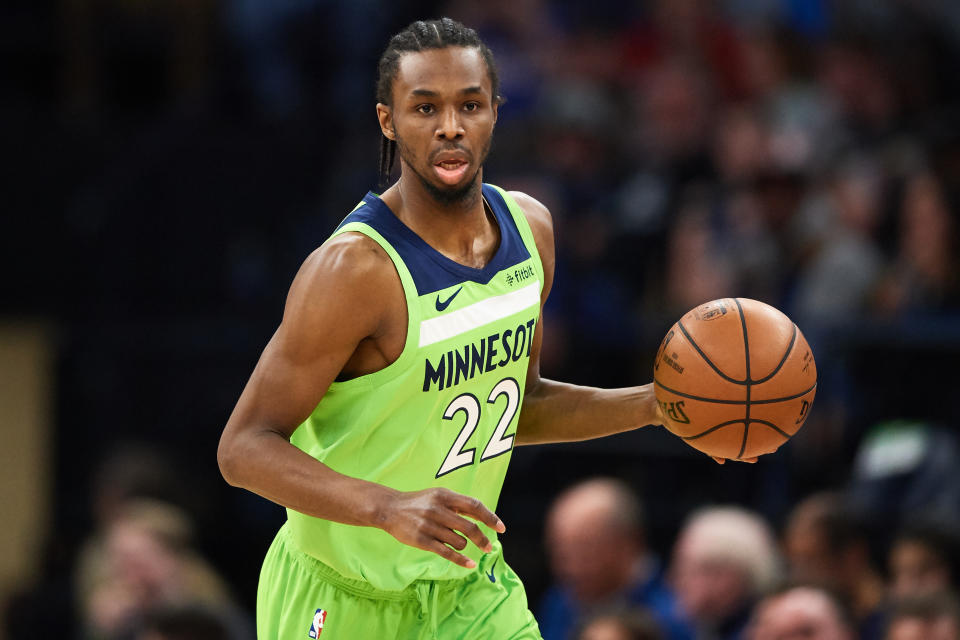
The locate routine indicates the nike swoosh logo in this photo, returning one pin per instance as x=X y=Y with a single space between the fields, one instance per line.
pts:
x=446 y=303
x=490 y=575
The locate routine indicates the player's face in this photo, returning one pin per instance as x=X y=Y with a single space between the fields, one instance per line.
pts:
x=442 y=118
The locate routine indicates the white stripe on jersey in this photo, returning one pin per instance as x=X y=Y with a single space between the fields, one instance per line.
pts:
x=478 y=314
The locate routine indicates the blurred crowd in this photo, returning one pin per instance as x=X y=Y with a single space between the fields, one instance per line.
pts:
x=176 y=161
x=802 y=153
x=828 y=575
x=837 y=568
x=138 y=574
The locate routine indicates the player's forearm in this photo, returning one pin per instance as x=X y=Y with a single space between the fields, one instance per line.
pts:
x=265 y=463
x=560 y=412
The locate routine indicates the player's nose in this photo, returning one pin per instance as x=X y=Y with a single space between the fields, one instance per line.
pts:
x=450 y=126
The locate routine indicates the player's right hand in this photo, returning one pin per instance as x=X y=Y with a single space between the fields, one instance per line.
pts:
x=719 y=460
x=433 y=520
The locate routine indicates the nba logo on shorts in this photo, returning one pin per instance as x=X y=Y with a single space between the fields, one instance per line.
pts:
x=317 y=626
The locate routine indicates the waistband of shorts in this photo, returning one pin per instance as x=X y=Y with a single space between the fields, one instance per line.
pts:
x=359 y=588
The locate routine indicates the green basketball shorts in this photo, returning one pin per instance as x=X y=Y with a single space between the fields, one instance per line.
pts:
x=300 y=598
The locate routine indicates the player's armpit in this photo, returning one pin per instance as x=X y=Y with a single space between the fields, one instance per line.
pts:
x=340 y=297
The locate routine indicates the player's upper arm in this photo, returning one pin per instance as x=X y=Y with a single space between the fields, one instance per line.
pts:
x=336 y=300
x=541 y=224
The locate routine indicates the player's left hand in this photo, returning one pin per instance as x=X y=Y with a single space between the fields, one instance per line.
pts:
x=661 y=420
x=657 y=412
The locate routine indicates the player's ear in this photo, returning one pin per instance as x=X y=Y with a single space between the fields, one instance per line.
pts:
x=385 y=116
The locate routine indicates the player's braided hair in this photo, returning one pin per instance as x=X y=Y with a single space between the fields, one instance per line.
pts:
x=418 y=36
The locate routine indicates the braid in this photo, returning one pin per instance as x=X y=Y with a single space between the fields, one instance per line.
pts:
x=388 y=149
x=418 y=36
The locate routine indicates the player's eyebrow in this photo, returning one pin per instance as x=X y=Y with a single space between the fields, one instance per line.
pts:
x=427 y=93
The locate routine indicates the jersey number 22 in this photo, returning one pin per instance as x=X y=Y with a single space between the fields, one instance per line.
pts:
x=498 y=443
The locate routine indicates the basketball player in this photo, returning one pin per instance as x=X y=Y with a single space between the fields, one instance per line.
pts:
x=383 y=411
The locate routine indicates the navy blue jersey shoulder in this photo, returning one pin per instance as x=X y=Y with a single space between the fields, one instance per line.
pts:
x=431 y=270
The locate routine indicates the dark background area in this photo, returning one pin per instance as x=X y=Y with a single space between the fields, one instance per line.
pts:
x=169 y=165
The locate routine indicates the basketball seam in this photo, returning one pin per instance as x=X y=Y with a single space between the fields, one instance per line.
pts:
x=694 y=344
x=772 y=426
x=783 y=360
x=785 y=398
x=690 y=396
x=728 y=423
x=712 y=429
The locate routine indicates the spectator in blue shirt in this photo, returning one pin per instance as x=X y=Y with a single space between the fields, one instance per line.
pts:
x=599 y=558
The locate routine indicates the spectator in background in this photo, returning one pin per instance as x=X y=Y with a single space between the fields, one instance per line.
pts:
x=825 y=544
x=924 y=275
x=923 y=560
x=630 y=624
x=930 y=617
x=599 y=557
x=697 y=268
x=182 y=623
x=800 y=612
x=845 y=264
x=906 y=467
x=725 y=557
x=135 y=471
x=144 y=561
x=673 y=111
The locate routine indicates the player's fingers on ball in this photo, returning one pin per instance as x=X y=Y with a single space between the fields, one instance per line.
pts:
x=718 y=459
x=446 y=552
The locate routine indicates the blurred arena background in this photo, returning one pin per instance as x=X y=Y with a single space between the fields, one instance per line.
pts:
x=171 y=162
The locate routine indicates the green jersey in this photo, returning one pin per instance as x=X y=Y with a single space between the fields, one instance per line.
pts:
x=445 y=412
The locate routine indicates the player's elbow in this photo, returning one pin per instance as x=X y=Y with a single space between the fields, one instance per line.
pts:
x=227 y=459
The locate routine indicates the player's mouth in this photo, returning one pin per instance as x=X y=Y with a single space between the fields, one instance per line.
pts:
x=451 y=170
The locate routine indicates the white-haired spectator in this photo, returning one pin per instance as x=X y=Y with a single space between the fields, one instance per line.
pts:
x=724 y=558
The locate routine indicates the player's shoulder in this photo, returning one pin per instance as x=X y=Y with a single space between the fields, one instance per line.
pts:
x=538 y=217
x=348 y=262
x=348 y=254
x=534 y=210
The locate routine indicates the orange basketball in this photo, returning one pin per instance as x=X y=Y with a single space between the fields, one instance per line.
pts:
x=735 y=378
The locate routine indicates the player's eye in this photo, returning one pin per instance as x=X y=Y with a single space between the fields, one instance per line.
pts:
x=425 y=109
x=471 y=106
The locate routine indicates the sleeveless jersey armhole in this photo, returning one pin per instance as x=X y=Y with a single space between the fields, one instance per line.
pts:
x=413 y=312
x=523 y=226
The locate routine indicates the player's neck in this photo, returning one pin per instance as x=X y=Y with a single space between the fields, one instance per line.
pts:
x=462 y=230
